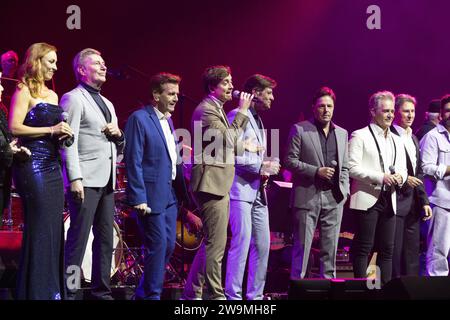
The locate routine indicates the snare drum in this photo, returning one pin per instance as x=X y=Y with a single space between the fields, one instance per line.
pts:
x=86 y=265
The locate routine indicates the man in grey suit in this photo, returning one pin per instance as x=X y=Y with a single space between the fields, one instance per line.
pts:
x=91 y=166
x=318 y=158
x=249 y=217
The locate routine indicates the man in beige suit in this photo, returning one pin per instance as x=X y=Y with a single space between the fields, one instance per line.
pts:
x=215 y=145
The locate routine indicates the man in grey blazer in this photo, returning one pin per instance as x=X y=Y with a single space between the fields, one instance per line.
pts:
x=249 y=216
x=91 y=165
x=318 y=158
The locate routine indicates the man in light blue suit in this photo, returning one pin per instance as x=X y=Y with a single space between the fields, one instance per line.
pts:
x=155 y=180
x=249 y=217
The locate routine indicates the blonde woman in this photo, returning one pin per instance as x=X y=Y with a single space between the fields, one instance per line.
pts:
x=36 y=119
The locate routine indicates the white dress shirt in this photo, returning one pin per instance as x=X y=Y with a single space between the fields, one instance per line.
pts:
x=386 y=144
x=170 y=140
x=406 y=137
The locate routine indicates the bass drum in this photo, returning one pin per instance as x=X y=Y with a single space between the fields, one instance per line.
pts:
x=86 y=265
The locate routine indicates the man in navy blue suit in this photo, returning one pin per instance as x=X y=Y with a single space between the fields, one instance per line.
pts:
x=155 y=180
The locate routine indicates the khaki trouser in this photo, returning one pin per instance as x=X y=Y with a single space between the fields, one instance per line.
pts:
x=207 y=264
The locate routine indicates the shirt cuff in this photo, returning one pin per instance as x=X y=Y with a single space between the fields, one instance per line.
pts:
x=440 y=171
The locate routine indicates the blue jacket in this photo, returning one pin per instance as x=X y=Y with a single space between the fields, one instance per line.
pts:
x=148 y=163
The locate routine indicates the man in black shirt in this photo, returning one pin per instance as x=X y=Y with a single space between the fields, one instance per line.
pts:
x=432 y=118
x=91 y=170
x=317 y=157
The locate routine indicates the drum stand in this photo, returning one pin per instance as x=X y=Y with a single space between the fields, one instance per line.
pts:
x=130 y=270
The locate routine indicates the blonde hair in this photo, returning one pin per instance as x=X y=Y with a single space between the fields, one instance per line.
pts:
x=376 y=99
x=78 y=60
x=30 y=72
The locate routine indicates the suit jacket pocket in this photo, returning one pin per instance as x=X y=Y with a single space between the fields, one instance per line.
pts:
x=88 y=157
x=150 y=177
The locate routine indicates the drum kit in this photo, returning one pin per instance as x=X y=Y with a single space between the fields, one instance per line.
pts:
x=127 y=263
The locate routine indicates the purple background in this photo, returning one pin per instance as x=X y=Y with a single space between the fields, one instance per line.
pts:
x=301 y=44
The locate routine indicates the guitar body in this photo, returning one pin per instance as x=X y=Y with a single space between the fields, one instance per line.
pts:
x=190 y=241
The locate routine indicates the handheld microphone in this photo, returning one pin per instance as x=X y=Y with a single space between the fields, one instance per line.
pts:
x=334 y=164
x=392 y=169
x=125 y=203
x=148 y=210
x=236 y=94
x=69 y=140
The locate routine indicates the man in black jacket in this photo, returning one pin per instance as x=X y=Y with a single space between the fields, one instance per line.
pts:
x=7 y=150
x=411 y=198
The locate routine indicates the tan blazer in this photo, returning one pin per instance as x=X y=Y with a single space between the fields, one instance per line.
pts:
x=215 y=146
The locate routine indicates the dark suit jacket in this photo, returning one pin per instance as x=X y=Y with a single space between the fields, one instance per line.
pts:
x=424 y=129
x=6 y=155
x=148 y=163
x=304 y=157
x=411 y=198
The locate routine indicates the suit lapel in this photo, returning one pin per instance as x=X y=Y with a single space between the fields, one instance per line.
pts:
x=157 y=124
x=316 y=143
x=416 y=144
x=92 y=104
x=341 y=143
x=314 y=134
x=255 y=127
x=219 y=110
x=264 y=137
x=110 y=107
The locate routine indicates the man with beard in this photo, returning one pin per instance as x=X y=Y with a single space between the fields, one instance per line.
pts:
x=435 y=152
x=318 y=158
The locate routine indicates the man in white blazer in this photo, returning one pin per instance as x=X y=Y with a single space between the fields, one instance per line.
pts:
x=91 y=165
x=249 y=216
x=377 y=164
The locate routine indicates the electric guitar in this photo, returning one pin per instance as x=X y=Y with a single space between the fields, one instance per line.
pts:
x=191 y=240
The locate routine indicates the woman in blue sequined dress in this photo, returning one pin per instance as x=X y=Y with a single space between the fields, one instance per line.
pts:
x=36 y=119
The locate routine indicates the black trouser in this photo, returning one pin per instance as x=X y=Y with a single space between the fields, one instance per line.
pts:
x=3 y=202
x=375 y=224
x=97 y=210
x=405 y=261
x=5 y=192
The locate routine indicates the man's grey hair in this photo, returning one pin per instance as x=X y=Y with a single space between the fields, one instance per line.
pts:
x=432 y=116
x=79 y=60
x=376 y=99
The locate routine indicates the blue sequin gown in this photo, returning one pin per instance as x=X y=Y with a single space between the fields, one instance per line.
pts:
x=40 y=186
